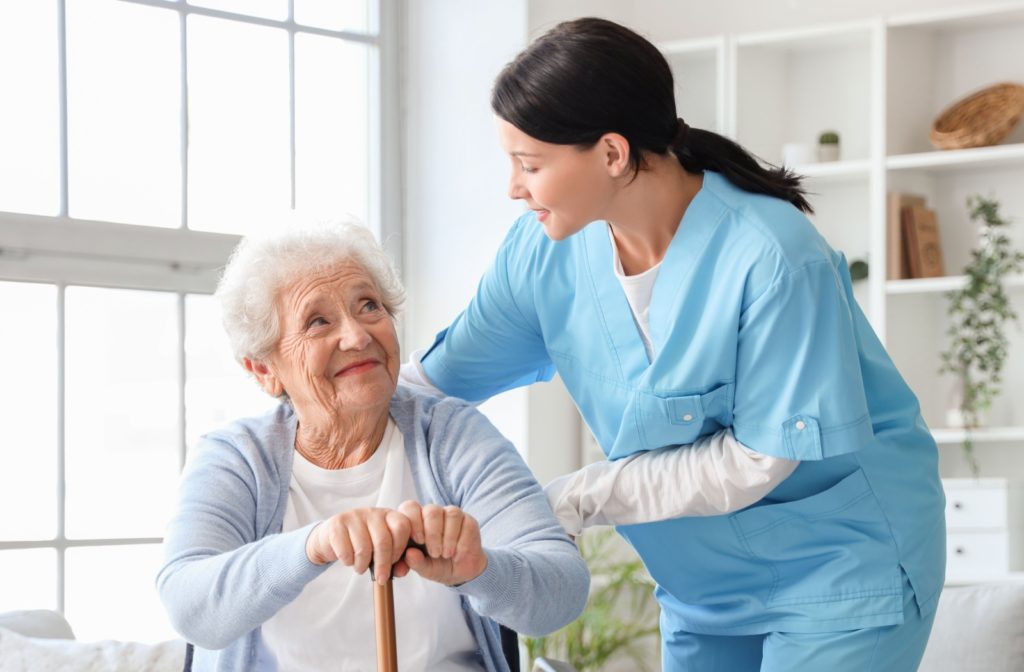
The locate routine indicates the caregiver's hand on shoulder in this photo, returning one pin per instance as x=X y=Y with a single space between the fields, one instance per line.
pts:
x=452 y=538
x=358 y=537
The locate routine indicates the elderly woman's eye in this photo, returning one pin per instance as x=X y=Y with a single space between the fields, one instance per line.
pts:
x=315 y=322
x=371 y=306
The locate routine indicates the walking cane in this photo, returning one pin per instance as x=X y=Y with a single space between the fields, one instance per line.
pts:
x=384 y=617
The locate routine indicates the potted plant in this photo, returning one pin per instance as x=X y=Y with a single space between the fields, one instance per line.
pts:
x=859 y=270
x=978 y=312
x=828 y=146
x=621 y=611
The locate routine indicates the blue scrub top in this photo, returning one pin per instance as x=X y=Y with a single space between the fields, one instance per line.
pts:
x=754 y=327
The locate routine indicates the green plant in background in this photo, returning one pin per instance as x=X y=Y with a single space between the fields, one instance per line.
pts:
x=620 y=612
x=828 y=138
x=858 y=270
x=978 y=312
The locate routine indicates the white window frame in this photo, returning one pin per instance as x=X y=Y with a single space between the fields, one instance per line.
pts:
x=63 y=251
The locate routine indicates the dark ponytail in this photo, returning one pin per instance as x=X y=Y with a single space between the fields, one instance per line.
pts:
x=701 y=150
x=588 y=77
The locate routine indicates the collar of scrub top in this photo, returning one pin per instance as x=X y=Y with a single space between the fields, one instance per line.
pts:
x=692 y=236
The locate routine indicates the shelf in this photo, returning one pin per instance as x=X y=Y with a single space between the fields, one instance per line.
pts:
x=982 y=435
x=959 y=159
x=790 y=86
x=834 y=170
x=939 y=285
x=1009 y=577
x=810 y=39
x=706 y=47
x=698 y=69
x=959 y=18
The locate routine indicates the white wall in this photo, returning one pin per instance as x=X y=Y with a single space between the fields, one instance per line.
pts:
x=456 y=208
x=667 y=20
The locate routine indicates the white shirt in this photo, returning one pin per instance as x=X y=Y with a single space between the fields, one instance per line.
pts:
x=330 y=625
x=638 y=289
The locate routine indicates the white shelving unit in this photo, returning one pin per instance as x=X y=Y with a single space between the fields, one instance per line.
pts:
x=699 y=69
x=940 y=285
x=983 y=435
x=880 y=84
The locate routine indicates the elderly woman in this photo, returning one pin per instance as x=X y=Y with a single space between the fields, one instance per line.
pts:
x=279 y=515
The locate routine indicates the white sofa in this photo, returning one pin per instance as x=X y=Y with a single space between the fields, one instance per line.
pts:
x=42 y=641
x=978 y=628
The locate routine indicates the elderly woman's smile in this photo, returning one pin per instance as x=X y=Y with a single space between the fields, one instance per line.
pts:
x=356 y=368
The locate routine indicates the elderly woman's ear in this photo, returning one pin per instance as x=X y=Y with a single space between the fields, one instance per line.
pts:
x=264 y=376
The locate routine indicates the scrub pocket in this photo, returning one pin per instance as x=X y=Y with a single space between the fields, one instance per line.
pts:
x=833 y=546
x=667 y=420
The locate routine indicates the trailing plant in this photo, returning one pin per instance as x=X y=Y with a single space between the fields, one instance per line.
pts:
x=621 y=611
x=978 y=312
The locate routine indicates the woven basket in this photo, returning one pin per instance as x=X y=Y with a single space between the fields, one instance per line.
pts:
x=981 y=119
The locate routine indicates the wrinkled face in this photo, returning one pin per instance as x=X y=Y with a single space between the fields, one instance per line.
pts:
x=567 y=187
x=338 y=350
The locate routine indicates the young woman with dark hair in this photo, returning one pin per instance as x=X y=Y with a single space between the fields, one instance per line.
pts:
x=677 y=287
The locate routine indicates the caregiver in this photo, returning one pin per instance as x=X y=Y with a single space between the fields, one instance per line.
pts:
x=677 y=287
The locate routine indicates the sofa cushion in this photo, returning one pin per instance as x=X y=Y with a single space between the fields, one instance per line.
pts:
x=41 y=623
x=32 y=654
x=978 y=629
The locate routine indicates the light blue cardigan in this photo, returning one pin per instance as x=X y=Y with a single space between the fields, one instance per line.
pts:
x=228 y=568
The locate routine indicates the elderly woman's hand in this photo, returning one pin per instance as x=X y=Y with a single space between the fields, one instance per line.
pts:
x=452 y=537
x=357 y=537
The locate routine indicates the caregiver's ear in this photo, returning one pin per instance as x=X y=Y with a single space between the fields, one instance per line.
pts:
x=614 y=150
x=264 y=376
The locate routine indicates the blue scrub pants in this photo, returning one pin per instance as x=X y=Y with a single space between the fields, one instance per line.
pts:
x=894 y=648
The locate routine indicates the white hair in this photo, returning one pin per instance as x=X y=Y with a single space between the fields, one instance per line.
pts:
x=260 y=268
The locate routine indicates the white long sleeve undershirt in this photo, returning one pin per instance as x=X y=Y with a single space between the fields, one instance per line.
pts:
x=713 y=476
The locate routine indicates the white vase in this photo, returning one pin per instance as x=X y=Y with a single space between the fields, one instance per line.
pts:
x=828 y=152
x=954 y=414
x=797 y=154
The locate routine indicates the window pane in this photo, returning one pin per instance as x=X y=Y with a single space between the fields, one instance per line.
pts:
x=111 y=594
x=239 y=156
x=217 y=388
x=331 y=127
x=28 y=579
x=268 y=9
x=122 y=412
x=351 y=15
x=28 y=447
x=124 y=108
x=29 y=124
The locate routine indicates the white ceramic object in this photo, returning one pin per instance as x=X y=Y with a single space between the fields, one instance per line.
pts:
x=796 y=154
x=828 y=153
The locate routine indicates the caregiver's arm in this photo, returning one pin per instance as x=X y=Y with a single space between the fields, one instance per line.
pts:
x=715 y=475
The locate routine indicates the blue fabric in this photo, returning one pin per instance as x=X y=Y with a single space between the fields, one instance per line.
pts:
x=893 y=648
x=754 y=327
x=228 y=568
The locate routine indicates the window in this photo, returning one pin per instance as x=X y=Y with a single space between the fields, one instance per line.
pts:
x=147 y=136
